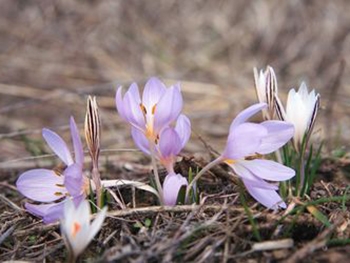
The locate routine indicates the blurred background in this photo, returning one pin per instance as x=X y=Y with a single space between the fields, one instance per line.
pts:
x=54 y=53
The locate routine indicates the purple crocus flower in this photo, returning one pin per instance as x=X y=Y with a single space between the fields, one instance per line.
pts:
x=158 y=107
x=48 y=186
x=170 y=142
x=246 y=144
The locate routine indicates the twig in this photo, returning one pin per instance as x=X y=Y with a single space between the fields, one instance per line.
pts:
x=7 y=234
x=174 y=209
x=10 y=203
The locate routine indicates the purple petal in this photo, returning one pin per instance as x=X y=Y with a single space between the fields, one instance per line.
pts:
x=268 y=198
x=58 y=146
x=246 y=114
x=244 y=140
x=119 y=103
x=169 y=143
x=132 y=107
x=49 y=212
x=41 y=185
x=279 y=133
x=269 y=170
x=73 y=179
x=154 y=90
x=247 y=175
x=171 y=187
x=183 y=129
x=140 y=140
x=78 y=147
x=168 y=108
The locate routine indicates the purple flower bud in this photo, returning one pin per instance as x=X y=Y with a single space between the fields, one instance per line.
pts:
x=171 y=187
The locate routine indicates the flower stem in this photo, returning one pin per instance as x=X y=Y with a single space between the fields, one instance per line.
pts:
x=155 y=172
x=301 y=187
x=205 y=169
x=96 y=179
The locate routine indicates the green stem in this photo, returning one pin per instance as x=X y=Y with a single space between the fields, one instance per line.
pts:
x=205 y=169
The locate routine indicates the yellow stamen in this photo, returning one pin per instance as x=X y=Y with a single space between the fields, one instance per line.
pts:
x=58 y=194
x=230 y=161
x=60 y=185
x=154 y=109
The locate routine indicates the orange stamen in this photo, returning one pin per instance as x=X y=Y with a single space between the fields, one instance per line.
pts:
x=75 y=228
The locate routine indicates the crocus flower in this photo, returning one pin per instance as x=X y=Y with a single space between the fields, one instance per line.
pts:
x=48 y=186
x=76 y=227
x=266 y=89
x=301 y=111
x=246 y=144
x=158 y=107
x=171 y=187
x=170 y=142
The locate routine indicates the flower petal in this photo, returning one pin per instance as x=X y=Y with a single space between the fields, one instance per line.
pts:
x=78 y=147
x=41 y=185
x=183 y=129
x=73 y=179
x=140 y=140
x=279 y=133
x=268 y=198
x=248 y=176
x=244 y=140
x=169 y=143
x=49 y=212
x=154 y=90
x=268 y=170
x=132 y=107
x=246 y=114
x=58 y=146
x=97 y=224
x=119 y=103
x=171 y=187
x=168 y=108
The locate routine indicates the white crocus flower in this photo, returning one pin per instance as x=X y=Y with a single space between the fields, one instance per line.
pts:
x=301 y=111
x=76 y=227
x=266 y=89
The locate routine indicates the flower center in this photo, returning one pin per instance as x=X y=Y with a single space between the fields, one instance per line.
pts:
x=149 y=119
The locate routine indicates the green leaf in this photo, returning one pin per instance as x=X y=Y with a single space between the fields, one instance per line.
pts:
x=148 y=222
x=181 y=196
x=318 y=215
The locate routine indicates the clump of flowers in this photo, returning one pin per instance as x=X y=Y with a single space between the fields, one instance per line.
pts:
x=246 y=144
x=301 y=111
x=151 y=120
x=160 y=130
